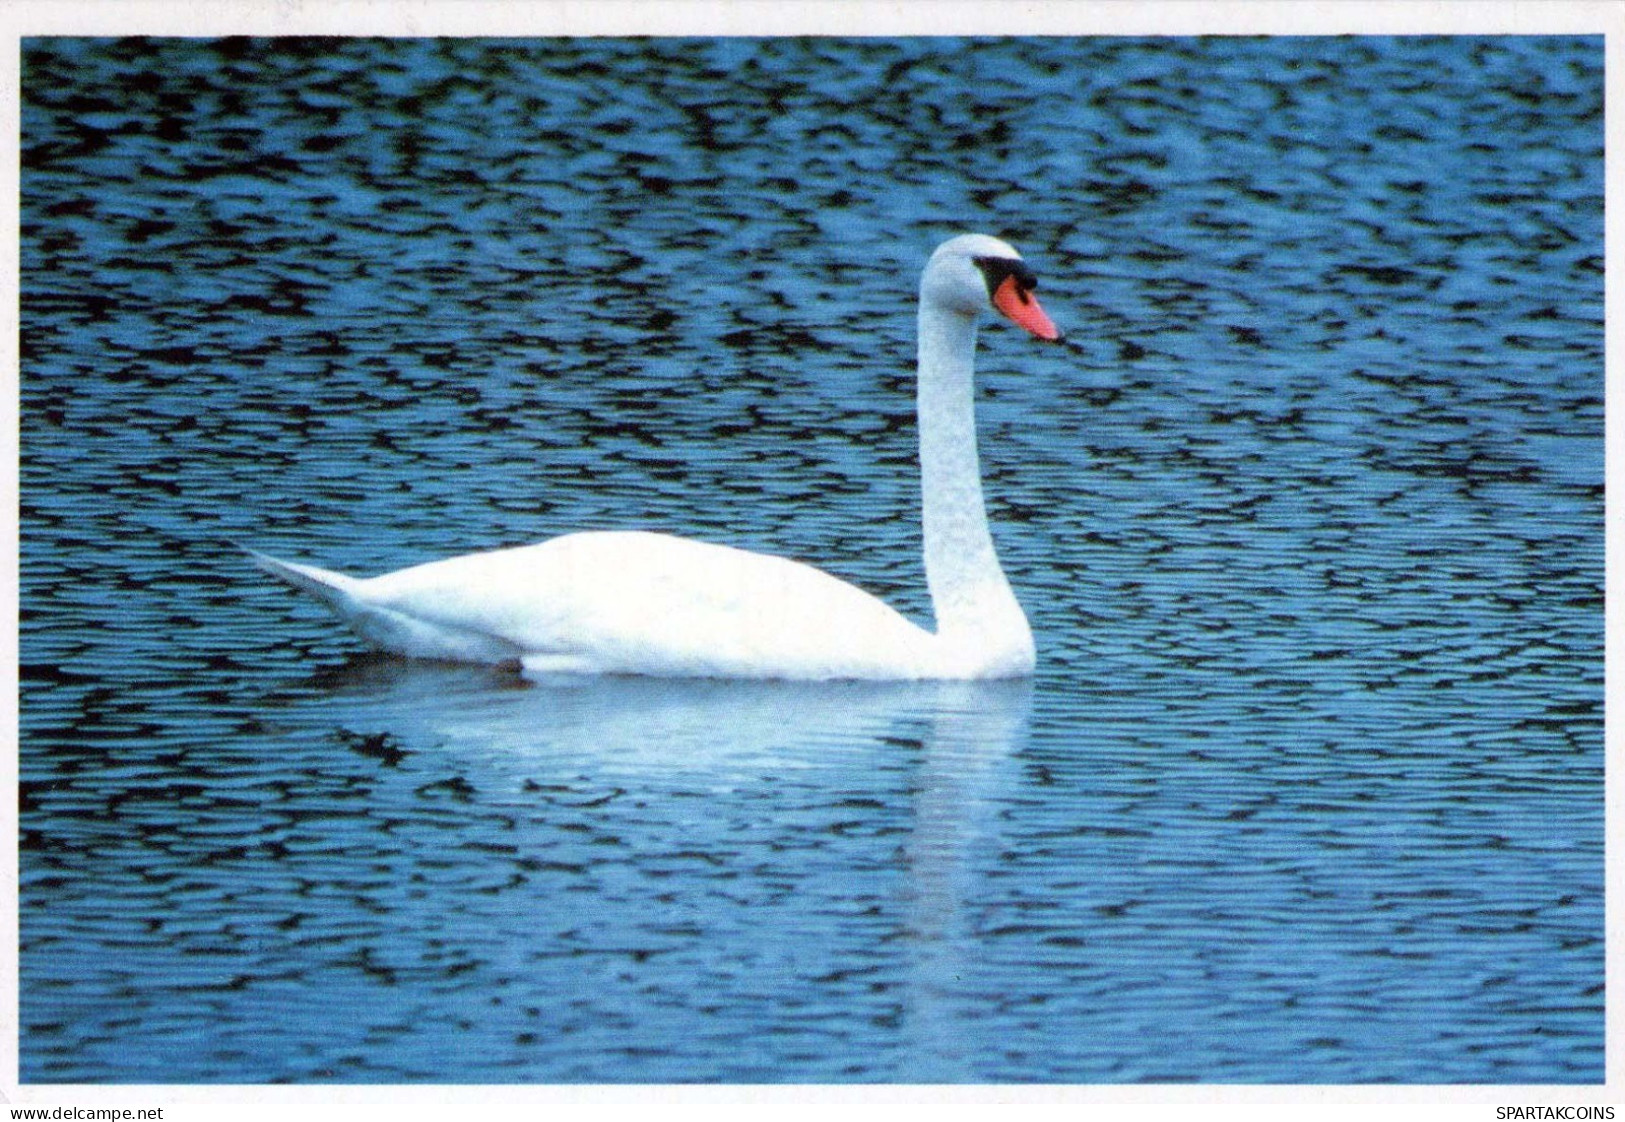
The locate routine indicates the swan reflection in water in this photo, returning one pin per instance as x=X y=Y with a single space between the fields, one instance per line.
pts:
x=917 y=769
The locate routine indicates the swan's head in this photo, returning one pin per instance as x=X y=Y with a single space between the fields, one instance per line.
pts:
x=968 y=273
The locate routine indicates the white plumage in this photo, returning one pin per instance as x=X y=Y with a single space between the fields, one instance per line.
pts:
x=644 y=603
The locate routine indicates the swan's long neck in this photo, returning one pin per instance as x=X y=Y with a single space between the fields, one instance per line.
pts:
x=977 y=614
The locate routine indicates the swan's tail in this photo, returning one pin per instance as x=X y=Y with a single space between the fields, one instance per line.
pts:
x=334 y=589
x=387 y=623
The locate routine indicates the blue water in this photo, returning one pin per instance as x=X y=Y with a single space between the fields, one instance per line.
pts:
x=1309 y=784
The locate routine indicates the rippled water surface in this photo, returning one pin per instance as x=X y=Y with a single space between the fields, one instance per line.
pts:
x=1308 y=786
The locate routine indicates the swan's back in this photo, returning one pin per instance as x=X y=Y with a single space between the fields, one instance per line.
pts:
x=642 y=603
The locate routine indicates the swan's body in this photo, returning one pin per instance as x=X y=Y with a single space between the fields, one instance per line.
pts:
x=645 y=603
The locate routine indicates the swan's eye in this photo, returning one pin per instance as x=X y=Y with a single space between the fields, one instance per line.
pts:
x=997 y=270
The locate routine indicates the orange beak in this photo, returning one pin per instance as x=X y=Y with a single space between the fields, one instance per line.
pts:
x=1021 y=306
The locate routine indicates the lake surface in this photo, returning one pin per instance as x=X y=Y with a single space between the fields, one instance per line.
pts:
x=1308 y=786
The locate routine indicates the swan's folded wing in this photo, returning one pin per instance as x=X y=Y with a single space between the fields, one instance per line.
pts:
x=654 y=604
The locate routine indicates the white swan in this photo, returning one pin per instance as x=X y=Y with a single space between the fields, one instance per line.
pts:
x=646 y=603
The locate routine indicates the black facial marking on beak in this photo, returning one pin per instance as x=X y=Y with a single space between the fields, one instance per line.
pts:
x=996 y=270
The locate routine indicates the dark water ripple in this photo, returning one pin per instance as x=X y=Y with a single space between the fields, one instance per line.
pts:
x=1308 y=789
